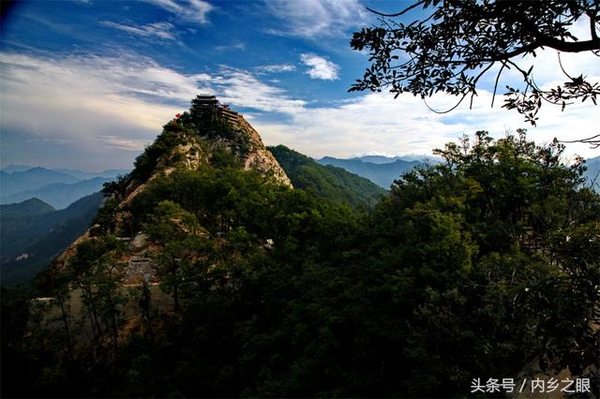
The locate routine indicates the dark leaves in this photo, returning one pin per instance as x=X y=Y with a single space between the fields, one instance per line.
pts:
x=451 y=50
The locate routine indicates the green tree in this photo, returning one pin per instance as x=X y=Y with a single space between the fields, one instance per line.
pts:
x=482 y=265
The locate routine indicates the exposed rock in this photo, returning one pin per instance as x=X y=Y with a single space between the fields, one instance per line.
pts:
x=139 y=269
x=216 y=127
x=139 y=242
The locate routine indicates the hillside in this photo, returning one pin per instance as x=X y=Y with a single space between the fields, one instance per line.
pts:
x=32 y=233
x=382 y=174
x=30 y=207
x=333 y=183
x=210 y=137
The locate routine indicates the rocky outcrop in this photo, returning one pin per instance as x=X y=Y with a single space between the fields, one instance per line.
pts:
x=260 y=158
x=214 y=127
x=240 y=137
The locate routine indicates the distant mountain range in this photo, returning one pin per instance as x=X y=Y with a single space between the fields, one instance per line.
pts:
x=326 y=181
x=381 y=159
x=384 y=170
x=59 y=195
x=592 y=174
x=56 y=187
x=380 y=170
x=33 y=232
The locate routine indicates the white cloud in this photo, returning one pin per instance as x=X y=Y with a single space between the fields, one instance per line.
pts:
x=276 y=68
x=191 y=10
x=119 y=102
x=320 y=67
x=89 y=103
x=316 y=18
x=122 y=143
x=161 y=30
x=376 y=123
x=93 y=98
x=242 y=89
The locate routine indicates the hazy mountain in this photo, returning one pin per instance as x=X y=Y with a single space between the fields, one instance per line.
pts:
x=83 y=175
x=77 y=173
x=16 y=168
x=58 y=187
x=31 y=207
x=593 y=172
x=382 y=174
x=31 y=179
x=326 y=181
x=59 y=195
x=381 y=159
x=32 y=233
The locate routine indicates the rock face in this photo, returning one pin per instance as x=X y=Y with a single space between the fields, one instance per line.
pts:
x=209 y=116
x=207 y=128
x=261 y=158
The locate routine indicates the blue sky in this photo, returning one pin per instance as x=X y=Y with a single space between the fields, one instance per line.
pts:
x=87 y=84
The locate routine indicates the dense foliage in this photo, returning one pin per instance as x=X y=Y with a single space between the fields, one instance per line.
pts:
x=330 y=182
x=470 y=268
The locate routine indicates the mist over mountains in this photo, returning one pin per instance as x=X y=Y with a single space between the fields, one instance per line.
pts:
x=374 y=168
x=56 y=187
x=33 y=232
x=592 y=173
x=383 y=170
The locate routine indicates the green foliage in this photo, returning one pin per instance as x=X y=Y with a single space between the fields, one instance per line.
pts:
x=147 y=162
x=116 y=188
x=223 y=158
x=327 y=182
x=470 y=268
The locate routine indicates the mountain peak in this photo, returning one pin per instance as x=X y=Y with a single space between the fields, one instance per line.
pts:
x=199 y=135
x=209 y=134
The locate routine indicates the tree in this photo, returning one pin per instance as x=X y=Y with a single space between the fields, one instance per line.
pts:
x=462 y=40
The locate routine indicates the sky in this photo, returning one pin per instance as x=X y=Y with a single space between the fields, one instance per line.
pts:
x=88 y=84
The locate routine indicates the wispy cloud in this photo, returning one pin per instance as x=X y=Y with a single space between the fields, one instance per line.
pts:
x=190 y=10
x=276 y=68
x=99 y=105
x=92 y=97
x=377 y=123
x=241 y=88
x=161 y=30
x=115 y=102
x=320 y=67
x=112 y=141
x=235 y=46
x=316 y=18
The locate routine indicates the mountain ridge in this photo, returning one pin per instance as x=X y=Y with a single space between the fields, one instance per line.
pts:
x=382 y=174
x=31 y=179
x=326 y=181
x=59 y=195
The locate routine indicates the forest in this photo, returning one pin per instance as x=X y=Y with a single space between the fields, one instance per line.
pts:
x=471 y=268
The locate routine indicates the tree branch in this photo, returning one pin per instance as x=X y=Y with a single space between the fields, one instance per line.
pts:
x=398 y=13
